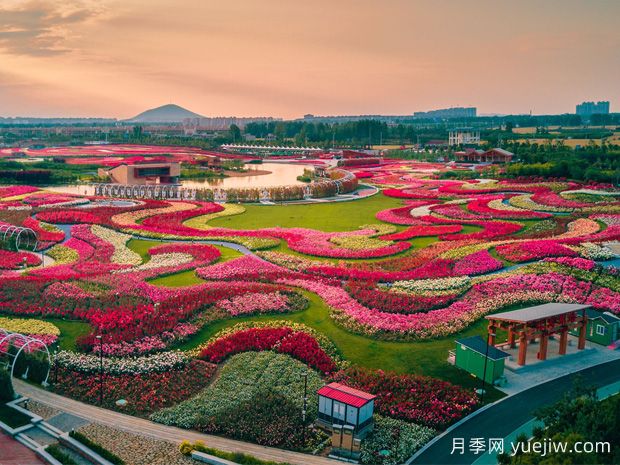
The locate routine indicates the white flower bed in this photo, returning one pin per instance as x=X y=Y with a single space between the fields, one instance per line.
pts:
x=421 y=286
x=163 y=260
x=122 y=254
x=596 y=251
x=159 y=362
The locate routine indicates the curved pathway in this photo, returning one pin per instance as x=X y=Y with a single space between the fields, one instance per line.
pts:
x=501 y=418
x=161 y=432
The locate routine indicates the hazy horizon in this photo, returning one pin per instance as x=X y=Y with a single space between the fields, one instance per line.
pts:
x=117 y=58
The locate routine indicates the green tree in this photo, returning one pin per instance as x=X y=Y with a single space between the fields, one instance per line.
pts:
x=235 y=133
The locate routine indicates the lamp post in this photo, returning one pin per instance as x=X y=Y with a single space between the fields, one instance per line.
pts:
x=484 y=371
x=305 y=405
x=100 y=339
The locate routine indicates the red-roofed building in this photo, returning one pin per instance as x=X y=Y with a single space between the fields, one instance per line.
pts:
x=496 y=155
x=344 y=405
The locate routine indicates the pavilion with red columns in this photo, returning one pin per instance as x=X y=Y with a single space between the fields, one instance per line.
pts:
x=542 y=322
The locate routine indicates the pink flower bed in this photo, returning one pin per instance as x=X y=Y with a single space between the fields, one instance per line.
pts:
x=533 y=250
x=248 y=267
x=576 y=262
x=477 y=263
x=423 y=230
x=401 y=215
x=103 y=250
x=147 y=344
x=255 y=303
x=12 y=191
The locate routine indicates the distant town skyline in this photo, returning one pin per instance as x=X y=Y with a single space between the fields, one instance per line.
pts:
x=117 y=58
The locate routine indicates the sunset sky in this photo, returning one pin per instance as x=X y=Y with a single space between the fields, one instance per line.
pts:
x=116 y=58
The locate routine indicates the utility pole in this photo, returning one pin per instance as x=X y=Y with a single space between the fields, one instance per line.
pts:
x=100 y=339
x=304 y=409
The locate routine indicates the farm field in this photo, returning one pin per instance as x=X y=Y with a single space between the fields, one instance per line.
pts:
x=193 y=299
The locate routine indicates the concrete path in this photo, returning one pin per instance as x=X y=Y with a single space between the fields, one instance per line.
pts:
x=500 y=419
x=162 y=432
x=14 y=453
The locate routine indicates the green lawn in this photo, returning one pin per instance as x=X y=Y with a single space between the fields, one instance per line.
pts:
x=334 y=216
x=427 y=358
x=142 y=246
x=70 y=330
x=184 y=278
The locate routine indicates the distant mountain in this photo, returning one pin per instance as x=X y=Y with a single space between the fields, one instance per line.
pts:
x=170 y=113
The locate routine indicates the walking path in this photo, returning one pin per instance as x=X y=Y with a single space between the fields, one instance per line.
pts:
x=14 y=453
x=500 y=419
x=162 y=432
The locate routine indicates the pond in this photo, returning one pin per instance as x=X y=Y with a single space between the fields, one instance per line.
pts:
x=280 y=174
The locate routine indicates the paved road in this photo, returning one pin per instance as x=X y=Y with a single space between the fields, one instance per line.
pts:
x=501 y=419
x=161 y=432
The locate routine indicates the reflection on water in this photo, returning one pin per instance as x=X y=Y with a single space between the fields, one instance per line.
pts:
x=281 y=174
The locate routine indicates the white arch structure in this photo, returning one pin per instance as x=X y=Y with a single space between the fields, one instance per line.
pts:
x=38 y=345
x=145 y=191
x=19 y=234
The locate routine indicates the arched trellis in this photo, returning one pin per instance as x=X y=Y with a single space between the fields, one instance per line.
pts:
x=22 y=236
x=8 y=337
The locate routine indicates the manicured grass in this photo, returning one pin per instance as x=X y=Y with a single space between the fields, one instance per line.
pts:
x=426 y=358
x=184 y=278
x=334 y=216
x=70 y=330
x=142 y=246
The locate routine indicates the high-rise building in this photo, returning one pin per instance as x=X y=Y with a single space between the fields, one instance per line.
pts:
x=447 y=113
x=592 y=108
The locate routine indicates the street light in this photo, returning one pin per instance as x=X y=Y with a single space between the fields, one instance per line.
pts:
x=305 y=405
x=484 y=371
x=100 y=339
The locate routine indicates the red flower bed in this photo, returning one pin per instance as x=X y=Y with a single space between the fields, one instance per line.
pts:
x=419 y=399
x=420 y=231
x=369 y=295
x=68 y=217
x=14 y=260
x=401 y=215
x=43 y=234
x=284 y=340
x=411 y=193
x=144 y=393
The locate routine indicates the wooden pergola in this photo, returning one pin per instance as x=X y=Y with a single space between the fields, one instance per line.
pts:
x=540 y=321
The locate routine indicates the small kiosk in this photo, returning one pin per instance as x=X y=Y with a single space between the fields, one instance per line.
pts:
x=471 y=353
x=341 y=405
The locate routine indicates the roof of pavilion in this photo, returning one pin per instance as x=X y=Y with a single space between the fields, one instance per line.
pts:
x=537 y=313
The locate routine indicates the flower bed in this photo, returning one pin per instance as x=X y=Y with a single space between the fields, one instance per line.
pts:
x=253 y=399
x=532 y=250
x=28 y=326
x=145 y=392
x=293 y=339
x=90 y=364
x=15 y=260
x=271 y=302
x=400 y=439
x=418 y=399
x=424 y=230
x=147 y=344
